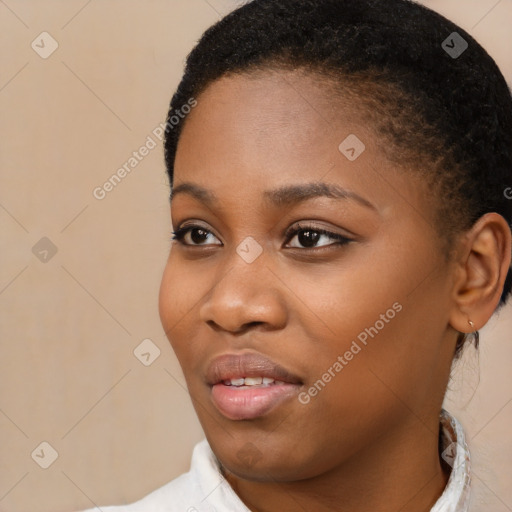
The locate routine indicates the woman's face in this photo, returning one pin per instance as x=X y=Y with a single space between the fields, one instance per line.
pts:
x=343 y=337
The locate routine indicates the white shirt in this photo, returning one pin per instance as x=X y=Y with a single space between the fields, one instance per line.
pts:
x=204 y=489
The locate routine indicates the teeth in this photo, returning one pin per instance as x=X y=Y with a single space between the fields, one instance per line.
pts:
x=251 y=381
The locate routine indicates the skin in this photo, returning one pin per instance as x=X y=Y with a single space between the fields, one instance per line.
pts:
x=368 y=439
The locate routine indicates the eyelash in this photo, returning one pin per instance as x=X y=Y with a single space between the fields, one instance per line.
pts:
x=180 y=233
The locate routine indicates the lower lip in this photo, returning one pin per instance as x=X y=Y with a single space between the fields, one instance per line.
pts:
x=247 y=403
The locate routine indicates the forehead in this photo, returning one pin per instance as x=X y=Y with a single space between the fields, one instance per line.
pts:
x=269 y=120
x=251 y=133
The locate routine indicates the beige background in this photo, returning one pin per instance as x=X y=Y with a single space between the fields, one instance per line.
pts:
x=69 y=325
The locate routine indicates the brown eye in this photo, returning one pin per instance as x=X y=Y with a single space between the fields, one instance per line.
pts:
x=192 y=235
x=198 y=235
x=308 y=237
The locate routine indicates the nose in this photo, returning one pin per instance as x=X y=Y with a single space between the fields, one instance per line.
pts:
x=245 y=296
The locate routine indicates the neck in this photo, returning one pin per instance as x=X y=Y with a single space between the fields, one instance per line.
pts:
x=398 y=472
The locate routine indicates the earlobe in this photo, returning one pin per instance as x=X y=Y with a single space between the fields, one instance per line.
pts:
x=482 y=266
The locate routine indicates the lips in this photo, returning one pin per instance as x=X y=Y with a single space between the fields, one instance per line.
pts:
x=233 y=366
x=249 y=385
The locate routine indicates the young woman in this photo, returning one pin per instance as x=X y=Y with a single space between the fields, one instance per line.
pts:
x=339 y=173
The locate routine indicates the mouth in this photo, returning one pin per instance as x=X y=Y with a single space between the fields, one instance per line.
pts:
x=249 y=385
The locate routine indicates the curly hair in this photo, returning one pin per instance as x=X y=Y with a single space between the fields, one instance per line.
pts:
x=447 y=116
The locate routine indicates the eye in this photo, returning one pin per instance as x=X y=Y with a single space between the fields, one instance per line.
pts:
x=192 y=235
x=310 y=236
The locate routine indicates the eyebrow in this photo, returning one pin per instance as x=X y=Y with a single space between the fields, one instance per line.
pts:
x=283 y=196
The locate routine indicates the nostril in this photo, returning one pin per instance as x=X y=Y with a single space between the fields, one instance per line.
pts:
x=213 y=325
x=252 y=324
x=242 y=329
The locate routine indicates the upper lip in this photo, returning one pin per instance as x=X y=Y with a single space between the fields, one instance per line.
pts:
x=231 y=366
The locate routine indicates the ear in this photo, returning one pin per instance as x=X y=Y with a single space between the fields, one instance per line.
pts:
x=481 y=268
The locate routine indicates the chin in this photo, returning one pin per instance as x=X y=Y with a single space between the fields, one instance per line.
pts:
x=276 y=462
x=263 y=471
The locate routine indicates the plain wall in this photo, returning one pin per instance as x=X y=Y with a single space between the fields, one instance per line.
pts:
x=69 y=325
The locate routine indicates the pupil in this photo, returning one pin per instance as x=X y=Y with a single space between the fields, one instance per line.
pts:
x=308 y=238
x=201 y=238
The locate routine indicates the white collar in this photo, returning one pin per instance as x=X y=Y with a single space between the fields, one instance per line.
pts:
x=455 y=452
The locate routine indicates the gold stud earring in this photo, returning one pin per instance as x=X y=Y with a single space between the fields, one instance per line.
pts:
x=476 y=334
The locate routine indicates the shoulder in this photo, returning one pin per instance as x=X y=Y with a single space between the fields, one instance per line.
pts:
x=175 y=495
x=190 y=492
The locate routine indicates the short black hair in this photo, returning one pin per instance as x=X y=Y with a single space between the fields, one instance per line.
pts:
x=436 y=96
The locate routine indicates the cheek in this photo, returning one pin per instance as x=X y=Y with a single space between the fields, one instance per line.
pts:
x=373 y=349
x=168 y=303
x=356 y=300
x=178 y=294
